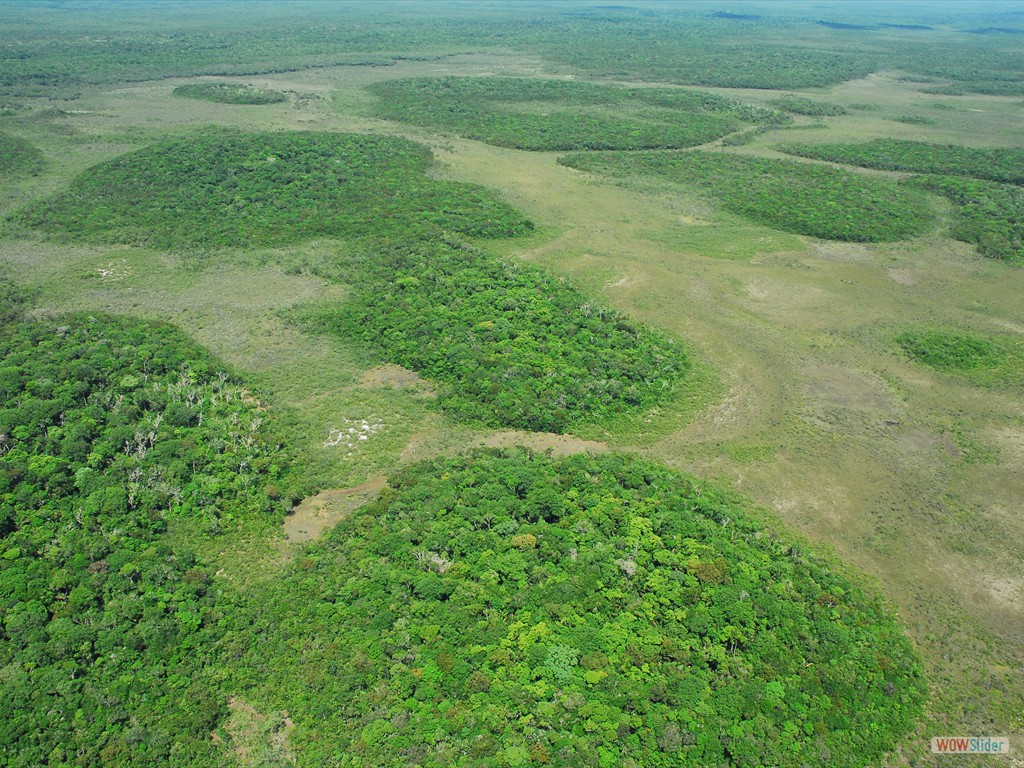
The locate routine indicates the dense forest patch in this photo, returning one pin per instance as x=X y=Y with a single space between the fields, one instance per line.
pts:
x=701 y=54
x=510 y=610
x=229 y=93
x=49 y=53
x=224 y=189
x=1001 y=164
x=564 y=114
x=800 y=198
x=981 y=359
x=19 y=157
x=986 y=214
x=517 y=347
x=108 y=429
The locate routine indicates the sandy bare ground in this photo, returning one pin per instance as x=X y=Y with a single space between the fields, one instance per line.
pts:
x=396 y=377
x=559 y=445
x=317 y=514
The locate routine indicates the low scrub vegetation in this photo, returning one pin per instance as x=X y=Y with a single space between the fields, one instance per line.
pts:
x=987 y=214
x=981 y=359
x=229 y=93
x=800 y=105
x=1002 y=164
x=564 y=114
x=19 y=157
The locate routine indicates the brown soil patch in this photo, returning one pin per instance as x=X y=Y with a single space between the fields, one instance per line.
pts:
x=1007 y=592
x=624 y=281
x=901 y=276
x=1010 y=442
x=319 y=513
x=841 y=396
x=396 y=377
x=559 y=445
x=842 y=252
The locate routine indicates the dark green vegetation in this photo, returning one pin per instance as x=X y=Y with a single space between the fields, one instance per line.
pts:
x=229 y=93
x=1002 y=164
x=50 y=50
x=19 y=157
x=981 y=359
x=795 y=197
x=915 y=120
x=987 y=214
x=510 y=610
x=672 y=50
x=564 y=114
x=517 y=347
x=800 y=105
x=223 y=189
x=110 y=428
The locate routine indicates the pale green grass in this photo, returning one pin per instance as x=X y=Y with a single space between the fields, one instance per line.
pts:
x=737 y=241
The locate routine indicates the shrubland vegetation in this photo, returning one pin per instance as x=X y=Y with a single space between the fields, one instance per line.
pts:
x=915 y=120
x=983 y=184
x=981 y=359
x=1000 y=164
x=109 y=428
x=677 y=53
x=225 y=189
x=43 y=55
x=19 y=157
x=516 y=347
x=987 y=214
x=801 y=105
x=989 y=66
x=229 y=93
x=800 y=198
x=564 y=114
x=511 y=610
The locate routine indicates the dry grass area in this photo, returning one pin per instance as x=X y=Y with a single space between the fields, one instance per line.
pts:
x=909 y=475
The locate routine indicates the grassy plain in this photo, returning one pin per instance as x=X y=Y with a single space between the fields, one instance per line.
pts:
x=910 y=475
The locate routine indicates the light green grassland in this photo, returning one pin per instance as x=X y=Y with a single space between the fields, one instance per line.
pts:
x=804 y=403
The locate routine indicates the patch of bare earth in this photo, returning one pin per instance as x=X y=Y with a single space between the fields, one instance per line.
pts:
x=1011 y=446
x=322 y=512
x=844 y=252
x=624 y=281
x=901 y=276
x=840 y=396
x=396 y=377
x=559 y=445
x=1007 y=592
